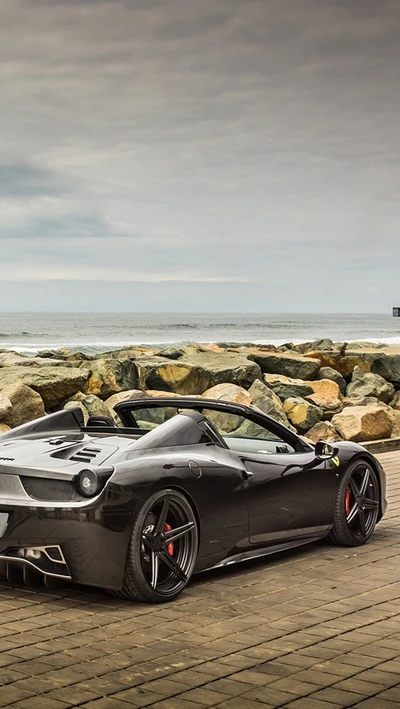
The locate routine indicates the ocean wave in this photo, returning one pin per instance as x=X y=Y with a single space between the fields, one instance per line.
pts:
x=96 y=347
x=22 y=333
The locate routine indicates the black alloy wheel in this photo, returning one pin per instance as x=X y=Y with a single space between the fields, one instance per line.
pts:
x=357 y=505
x=163 y=549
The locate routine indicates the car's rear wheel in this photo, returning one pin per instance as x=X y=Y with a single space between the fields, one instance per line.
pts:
x=162 y=550
x=357 y=505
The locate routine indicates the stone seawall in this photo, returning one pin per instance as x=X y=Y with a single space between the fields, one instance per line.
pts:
x=324 y=390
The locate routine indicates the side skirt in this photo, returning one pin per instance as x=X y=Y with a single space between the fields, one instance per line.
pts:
x=265 y=551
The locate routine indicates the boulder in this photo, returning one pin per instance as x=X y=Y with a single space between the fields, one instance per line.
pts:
x=4 y=428
x=128 y=353
x=162 y=394
x=26 y=404
x=268 y=402
x=323 y=431
x=301 y=413
x=363 y=423
x=109 y=376
x=363 y=401
x=326 y=395
x=396 y=424
x=129 y=395
x=320 y=344
x=229 y=392
x=54 y=384
x=395 y=402
x=92 y=403
x=286 y=387
x=13 y=359
x=5 y=406
x=161 y=373
x=172 y=352
x=369 y=384
x=373 y=360
x=225 y=367
x=330 y=373
x=291 y=365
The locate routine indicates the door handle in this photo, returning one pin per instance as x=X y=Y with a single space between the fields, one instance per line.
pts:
x=247 y=474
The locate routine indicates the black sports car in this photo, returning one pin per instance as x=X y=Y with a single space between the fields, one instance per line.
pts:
x=180 y=485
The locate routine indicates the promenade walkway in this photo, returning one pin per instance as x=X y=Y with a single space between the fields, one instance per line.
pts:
x=316 y=628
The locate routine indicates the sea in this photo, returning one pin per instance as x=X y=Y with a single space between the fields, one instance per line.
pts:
x=98 y=332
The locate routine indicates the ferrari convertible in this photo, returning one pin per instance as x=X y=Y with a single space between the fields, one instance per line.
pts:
x=168 y=487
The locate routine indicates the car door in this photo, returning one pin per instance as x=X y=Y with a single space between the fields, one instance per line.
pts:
x=290 y=492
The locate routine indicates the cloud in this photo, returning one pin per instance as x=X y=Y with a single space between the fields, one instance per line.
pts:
x=248 y=137
x=22 y=179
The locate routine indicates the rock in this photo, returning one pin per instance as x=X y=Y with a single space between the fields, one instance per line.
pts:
x=128 y=353
x=368 y=384
x=330 y=373
x=320 y=344
x=109 y=376
x=363 y=401
x=387 y=365
x=4 y=428
x=9 y=359
x=92 y=403
x=323 y=431
x=12 y=359
x=286 y=387
x=396 y=424
x=363 y=423
x=161 y=373
x=162 y=394
x=229 y=392
x=5 y=406
x=172 y=352
x=196 y=373
x=301 y=413
x=393 y=375
x=54 y=384
x=395 y=402
x=225 y=367
x=326 y=395
x=268 y=402
x=26 y=404
x=130 y=395
x=291 y=365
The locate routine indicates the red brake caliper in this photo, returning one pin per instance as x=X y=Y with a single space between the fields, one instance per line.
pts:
x=167 y=528
x=347 y=501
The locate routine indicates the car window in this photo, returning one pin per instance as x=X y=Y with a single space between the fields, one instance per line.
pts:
x=242 y=434
x=237 y=426
x=148 y=418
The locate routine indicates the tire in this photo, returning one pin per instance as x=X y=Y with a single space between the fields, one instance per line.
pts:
x=357 y=505
x=163 y=549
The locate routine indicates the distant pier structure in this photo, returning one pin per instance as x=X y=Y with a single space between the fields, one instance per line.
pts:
x=396 y=312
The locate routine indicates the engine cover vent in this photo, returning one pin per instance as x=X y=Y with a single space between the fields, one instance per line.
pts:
x=86 y=455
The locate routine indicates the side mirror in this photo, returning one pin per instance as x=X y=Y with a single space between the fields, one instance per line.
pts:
x=324 y=451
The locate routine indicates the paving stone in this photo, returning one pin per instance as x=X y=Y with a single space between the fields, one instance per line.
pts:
x=314 y=628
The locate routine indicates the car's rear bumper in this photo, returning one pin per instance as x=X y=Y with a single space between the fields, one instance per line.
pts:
x=86 y=543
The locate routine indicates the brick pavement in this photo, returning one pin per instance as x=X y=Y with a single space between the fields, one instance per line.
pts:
x=315 y=628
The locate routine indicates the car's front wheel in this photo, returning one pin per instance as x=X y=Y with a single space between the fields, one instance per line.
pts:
x=357 y=505
x=162 y=550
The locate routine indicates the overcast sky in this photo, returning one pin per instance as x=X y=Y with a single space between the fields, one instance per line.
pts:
x=213 y=155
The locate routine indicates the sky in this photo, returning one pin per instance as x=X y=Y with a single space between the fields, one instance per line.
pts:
x=221 y=156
